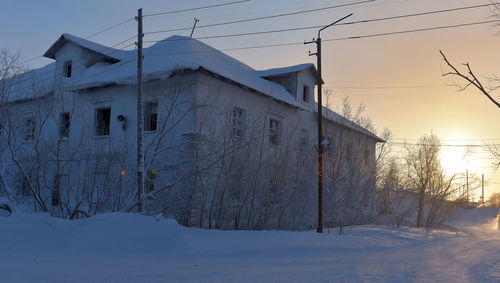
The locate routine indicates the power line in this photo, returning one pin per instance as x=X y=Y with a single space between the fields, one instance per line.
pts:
x=110 y=28
x=332 y=39
x=413 y=30
x=264 y=17
x=90 y=36
x=55 y=71
x=478 y=139
x=196 y=8
x=130 y=19
x=331 y=7
x=447 y=145
x=291 y=43
x=388 y=87
x=420 y=14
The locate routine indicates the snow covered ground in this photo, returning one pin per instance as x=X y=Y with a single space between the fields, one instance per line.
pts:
x=132 y=248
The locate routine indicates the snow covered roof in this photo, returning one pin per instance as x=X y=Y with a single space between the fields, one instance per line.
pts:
x=161 y=60
x=339 y=119
x=178 y=53
x=32 y=84
x=110 y=53
x=285 y=70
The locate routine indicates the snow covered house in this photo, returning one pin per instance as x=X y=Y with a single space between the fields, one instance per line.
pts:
x=226 y=146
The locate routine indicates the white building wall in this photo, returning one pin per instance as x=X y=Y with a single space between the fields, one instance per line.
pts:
x=191 y=106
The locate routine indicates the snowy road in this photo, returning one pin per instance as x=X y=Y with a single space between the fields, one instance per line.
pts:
x=131 y=248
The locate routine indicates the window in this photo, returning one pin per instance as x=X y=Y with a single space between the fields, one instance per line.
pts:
x=274 y=131
x=305 y=94
x=67 y=69
x=238 y=122
x=29 y=129
x=151 y=116
x=64 y=122
x=102 y=121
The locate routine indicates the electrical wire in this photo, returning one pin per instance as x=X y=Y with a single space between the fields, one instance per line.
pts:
x=478 y=139
x=420 y=14
x=446 y=145
x=196 y=8
x=57 y=70
x=327 y=40
x=90 y=36
x=81 y=60
x=413 y=30
x=262 y=18
x=387 y=87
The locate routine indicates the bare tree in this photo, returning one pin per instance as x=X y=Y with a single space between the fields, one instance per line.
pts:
x=433 y=190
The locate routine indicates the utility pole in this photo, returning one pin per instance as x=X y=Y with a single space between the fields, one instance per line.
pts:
x=319 y=82
x=467 y=185
x=482 y=188
x=140 y=115
x=194 y=26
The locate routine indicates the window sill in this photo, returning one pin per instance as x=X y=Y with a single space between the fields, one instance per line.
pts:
x=149 y=132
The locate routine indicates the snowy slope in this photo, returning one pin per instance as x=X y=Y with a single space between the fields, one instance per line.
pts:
x=133 y=248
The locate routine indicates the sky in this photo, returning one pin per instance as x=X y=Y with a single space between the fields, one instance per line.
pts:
x=397 y=77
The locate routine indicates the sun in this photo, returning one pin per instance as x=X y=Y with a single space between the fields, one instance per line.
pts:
x=453 y=160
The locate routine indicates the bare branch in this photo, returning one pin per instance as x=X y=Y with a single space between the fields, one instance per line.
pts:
x=471 y=81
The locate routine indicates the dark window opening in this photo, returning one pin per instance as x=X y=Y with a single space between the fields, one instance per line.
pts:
x=274 y=131
x=151 y=116
x=103 y=119
x=305 y=94
x=67 y=69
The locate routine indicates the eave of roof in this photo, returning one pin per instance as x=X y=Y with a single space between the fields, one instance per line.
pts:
x=340 y=120
x=276 y=72
x=65 y=38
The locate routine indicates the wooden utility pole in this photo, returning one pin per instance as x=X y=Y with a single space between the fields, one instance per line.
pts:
x=482 y=188
x=467 y=185
x=140 y=115
x=319 y=82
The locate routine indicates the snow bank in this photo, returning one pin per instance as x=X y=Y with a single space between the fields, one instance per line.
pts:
x=474 y=217
x=121 y=247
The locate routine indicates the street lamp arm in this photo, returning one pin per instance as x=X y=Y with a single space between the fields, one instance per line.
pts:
x=319 y=32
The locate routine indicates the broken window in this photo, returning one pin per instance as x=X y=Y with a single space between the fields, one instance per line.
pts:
x=67 y=69
x=151 y=116
x=102 y=121
x=274 y=131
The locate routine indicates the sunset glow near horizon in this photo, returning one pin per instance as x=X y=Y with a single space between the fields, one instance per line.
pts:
x=398 y=77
